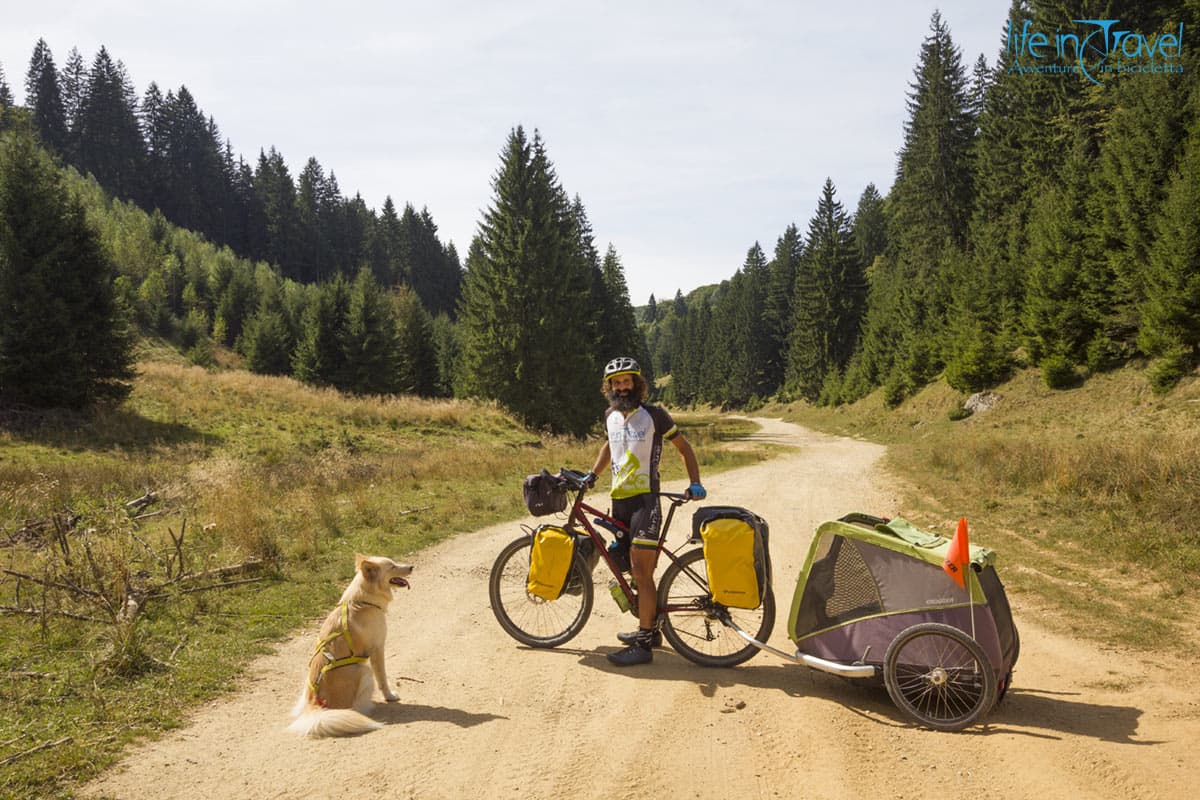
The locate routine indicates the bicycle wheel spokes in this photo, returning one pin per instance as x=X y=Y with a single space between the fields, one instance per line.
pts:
x=530 y=619
x=939 y=676
x=692 y=621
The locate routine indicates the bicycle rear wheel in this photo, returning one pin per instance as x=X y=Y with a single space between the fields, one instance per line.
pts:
x=695 y=629
x=530 y=619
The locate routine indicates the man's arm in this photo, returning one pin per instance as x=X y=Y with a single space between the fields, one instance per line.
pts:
x=602 y=459
x=689 y=457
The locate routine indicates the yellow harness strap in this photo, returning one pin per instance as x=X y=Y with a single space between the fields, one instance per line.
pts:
x=334 y=663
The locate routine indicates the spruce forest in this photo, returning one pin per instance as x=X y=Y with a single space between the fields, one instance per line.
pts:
x=1034 y=219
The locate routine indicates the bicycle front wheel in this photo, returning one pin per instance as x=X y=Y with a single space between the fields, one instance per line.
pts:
x=693 y=622
x=530 y=619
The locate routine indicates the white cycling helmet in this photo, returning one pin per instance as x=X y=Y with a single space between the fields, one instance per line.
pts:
x=622 y=365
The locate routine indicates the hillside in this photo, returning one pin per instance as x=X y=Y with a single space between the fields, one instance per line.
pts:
x=1088 y=492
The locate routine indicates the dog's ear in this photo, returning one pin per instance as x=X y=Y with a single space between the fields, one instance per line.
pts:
x=369 y=570
x=359 y=558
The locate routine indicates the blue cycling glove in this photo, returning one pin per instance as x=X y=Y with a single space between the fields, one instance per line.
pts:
x=697 y=491
x=589 y=480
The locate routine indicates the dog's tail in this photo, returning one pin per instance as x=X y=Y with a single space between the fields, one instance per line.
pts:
x=321 y=722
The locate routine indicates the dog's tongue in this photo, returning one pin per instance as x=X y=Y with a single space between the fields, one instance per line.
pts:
x=400 y=582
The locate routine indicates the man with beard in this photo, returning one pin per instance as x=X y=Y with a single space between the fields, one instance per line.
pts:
x=635 y=435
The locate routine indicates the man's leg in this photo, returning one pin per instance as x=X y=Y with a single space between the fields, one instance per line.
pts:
x=643 y=558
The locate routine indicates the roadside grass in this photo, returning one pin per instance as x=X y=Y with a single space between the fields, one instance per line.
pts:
x=1088 y=495
x=263 y=472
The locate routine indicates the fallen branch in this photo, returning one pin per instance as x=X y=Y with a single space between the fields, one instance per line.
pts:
x=24 y=673
x=195 y=589
x=150 y=550
x=142 y=502
x=33 y=612
x=55 y=584
x=406 y=512
x=248 y=565
x=32 y=750
x=178 y=647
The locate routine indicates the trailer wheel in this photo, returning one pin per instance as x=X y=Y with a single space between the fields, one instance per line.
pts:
x=939 y=676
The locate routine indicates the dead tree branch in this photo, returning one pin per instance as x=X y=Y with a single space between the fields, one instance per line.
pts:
x=32 y=750
x=33 y=612
x=55 y=584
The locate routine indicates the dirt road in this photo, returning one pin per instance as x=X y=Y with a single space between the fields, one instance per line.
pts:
x=481 y=716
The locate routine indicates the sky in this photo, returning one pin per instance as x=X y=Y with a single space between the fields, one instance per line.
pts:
x=689 y=130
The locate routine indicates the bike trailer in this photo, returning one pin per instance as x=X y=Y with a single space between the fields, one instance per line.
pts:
x=550 y=561
x=736 y=554
x=866 y=580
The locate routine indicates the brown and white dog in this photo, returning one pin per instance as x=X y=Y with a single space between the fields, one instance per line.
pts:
x=337 y=690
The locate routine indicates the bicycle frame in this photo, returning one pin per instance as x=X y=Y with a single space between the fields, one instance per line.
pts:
x=580 y=512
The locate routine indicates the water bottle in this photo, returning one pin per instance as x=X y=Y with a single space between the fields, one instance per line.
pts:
x=619 y=595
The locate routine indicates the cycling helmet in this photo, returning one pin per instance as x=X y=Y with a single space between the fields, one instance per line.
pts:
x=622 y=365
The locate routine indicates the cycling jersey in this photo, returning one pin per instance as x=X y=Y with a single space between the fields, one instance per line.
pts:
x=635 y=447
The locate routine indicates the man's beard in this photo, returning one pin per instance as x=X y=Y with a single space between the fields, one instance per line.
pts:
x=626 y=401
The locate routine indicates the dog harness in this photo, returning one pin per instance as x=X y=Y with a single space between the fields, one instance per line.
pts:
x=334 y=663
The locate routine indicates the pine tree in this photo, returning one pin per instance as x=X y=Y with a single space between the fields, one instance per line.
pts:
x=525 y=289
x=419 y=370
x=690 y=370
x=276 y=192
x=385 y=248
x=314 y=260
x=63 y=339
x=109 y=134
x=931 y=199
x=621 y=334
x=741 y=340
x=1140 y=146
x=369 y=344
x=6 y=100
x=870 y=227
x=267 y=343
x=651 y=310
x=1057 y=319
x=320 y=356
x=777 y=309
x=828 y=301
x=6 y=97
x=43 y=98
x=1170 y=313
x=73 y=82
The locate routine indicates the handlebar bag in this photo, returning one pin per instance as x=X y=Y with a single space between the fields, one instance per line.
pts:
x=736 y=554
x=544 y=494
x=550 y=561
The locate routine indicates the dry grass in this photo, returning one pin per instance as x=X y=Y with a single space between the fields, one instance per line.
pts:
x=1087 y=494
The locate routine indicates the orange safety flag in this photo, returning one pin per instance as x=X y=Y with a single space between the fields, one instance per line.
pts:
x=959 y=555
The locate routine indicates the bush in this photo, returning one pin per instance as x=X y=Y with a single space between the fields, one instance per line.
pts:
x=1058 y=372
x=1165 y=372
x=894 y=391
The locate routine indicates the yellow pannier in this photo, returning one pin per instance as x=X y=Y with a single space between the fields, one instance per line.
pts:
x=735 y=554
x=550 y=561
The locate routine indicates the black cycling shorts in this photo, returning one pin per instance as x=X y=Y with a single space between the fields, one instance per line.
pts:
x=643 y=515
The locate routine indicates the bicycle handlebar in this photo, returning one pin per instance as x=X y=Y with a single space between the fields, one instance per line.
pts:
x=574 y=479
